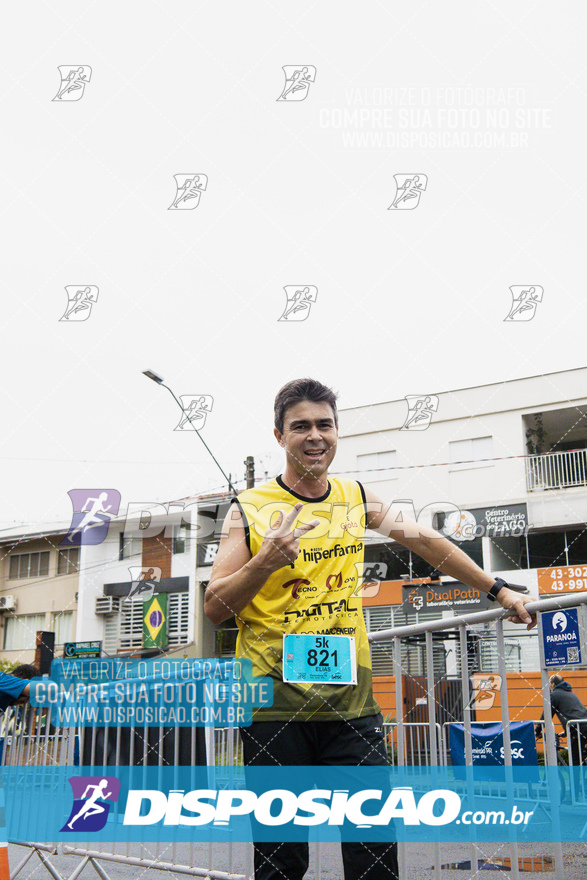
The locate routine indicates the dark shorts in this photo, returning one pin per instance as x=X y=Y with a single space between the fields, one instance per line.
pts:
x=356 y=742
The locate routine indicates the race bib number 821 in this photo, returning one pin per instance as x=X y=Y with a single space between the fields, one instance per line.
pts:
x=325 y=659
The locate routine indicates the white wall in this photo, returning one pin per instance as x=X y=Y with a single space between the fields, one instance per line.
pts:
x=490 y=410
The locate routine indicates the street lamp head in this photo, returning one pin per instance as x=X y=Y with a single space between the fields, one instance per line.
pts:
x=151 y=374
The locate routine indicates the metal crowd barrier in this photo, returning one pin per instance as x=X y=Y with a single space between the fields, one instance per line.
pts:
x=577 y=754
x=417 y=741
x=532 y=795
x=29 y=740
x=517 y=859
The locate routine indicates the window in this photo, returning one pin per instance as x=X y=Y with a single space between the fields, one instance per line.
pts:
x=521 y=652
x=377 y=465
x=473 y=549
x=130 y=545
x=208 y=553
x=130 y=626
x=576 y=546
x=547 y=549
x=539 y=550
x=376 y=618
x=399 y=561
x=20 y=632
x=177 y=618
x=63 y=627
x=29 y=565
x=225 y=638
x=413 y=648
x=180 y=539
x=67 y=560
x=465 y=453
x=508 y=552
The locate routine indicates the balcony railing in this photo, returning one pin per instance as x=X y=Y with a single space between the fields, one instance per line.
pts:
x=556 y=470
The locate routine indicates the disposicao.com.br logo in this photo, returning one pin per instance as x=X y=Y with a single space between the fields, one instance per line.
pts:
x=277 y=803
x=174 y=803
x=312 y=807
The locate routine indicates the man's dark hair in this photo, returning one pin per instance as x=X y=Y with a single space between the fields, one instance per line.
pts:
x=556 y=679
x=26 y=670
x=298 y=390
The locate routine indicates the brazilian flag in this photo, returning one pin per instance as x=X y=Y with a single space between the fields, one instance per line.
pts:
x=155 y=622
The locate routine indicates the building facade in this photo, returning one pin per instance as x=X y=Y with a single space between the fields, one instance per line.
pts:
x=156 y=550
x=39 y=585
x=501 y=470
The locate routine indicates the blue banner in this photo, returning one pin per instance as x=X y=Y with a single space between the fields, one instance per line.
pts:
x=488 y=747
x=561 y=638
x=149 y=804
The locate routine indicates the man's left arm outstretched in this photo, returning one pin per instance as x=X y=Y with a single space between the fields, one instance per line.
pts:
x=443 y=555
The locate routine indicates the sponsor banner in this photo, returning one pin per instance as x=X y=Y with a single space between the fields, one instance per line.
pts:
x=152 y=804
x=443 y=597
x=490 y=522
x=563 y=638
x=488 y=747
x=153 y=693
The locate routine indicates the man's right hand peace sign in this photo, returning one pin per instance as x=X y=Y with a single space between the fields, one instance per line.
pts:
x=281 y=542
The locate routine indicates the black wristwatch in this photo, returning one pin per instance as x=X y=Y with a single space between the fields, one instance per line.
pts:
x=497 y=585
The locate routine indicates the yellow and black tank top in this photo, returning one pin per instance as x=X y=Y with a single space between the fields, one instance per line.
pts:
x=319 y=593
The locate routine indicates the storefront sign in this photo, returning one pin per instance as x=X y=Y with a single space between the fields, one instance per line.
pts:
x=207 y=552
x=81 y=650
x=491 y=522
x=443 y=597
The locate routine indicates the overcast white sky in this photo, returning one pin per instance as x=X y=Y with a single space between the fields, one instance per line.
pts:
x=409 y=301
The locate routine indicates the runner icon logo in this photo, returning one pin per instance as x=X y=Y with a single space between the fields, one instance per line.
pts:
x=297 y=82
x=91 y=796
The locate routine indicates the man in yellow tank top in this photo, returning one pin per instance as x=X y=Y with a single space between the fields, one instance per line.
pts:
x=289 y=565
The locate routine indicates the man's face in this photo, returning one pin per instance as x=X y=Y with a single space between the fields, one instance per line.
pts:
x=309 y=438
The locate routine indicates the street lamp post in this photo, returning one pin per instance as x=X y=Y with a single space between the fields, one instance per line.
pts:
x=151 y=374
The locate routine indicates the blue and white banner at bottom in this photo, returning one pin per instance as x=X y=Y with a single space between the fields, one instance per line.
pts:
x=142 y=804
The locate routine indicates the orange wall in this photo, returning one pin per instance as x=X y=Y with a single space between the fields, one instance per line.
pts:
x=384 y=691
x=524 y=695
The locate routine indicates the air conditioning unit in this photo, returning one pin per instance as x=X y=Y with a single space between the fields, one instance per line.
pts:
x=7 y=603
x=107 y=604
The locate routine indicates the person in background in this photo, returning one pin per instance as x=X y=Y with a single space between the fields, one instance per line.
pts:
x=14 y=687
x=568 y=707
